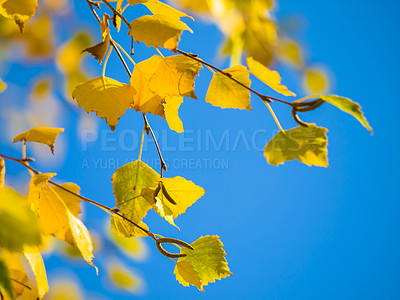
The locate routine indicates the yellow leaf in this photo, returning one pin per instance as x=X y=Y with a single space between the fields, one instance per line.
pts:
x=18 y=10
x=39 y=37
x=124 y=228
x=171 y=107
x=175 y=76
x=315 y=81
x=160 y=8
x=289 y=51
x=133 y=247
x=269 y=77
x=226 y=93
x=145 y=100
x=82 y=238
x=199 y=6
x=122 y=278
x=128 y=182
x=99 y=50
x=41 y=134
x=158 y=31
x=18 y=224
x=68 y=58
x=57 y=211
x=65 y=289
x=5 y=282
x=105 y=96
x=35 y=260
x=307 y=144
x=41 y=88
x=186 y=274
x=207 y=260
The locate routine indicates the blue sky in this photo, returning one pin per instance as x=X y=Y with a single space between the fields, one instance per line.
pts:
x=290 y=232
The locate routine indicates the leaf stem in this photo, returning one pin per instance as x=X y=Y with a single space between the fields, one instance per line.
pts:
x=123 y=50
x=274 y=116
x=117 y=13
x=106 y=61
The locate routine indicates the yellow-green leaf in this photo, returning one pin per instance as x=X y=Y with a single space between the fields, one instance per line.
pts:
x=123 y=278
x=269 y=77
x=16 y=271
x=124 y=228
x=207 y=260
x=158 y=31
x=160 y=8
x=347 y=105
x=187 y=275
x=171 y=107
x=5 y=282
x=183 y=192
x=18 y=224
x=105 y=96
x=133 y=247
x=315 y=80
x=18 y=10
x=226 y=93
x=307 y=144
x=128 y=182
x=35 y=260
x=41 y=134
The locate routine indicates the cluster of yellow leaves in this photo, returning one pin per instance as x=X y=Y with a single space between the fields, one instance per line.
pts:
x=18 y=10
x=25 y=221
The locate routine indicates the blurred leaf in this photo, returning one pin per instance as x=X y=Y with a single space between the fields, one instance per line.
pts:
x=18 y=10
x=207 y=262
x=290 y=52
x=35 y=260
x=41 y=134
x=16 y=271
x=3 y=86
x=122 y=278
x=269 y=77
x=18 y=224
x=158 y=31
x=5 y=282
x=65 y=289
x=226 y=93
x=105 y=96
x=39 y=37
x=349 y=106
x=128 y=182
x=315 y=81
x=41 y=88
x=307 y=144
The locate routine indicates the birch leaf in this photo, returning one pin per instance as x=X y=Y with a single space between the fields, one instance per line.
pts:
x=226 y=93
x=105 y=96
x=35 y=260
x=41 y=134
x=160 y=8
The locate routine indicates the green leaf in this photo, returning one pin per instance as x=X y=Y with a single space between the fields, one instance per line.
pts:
x=347 y=105
x=307 y=144
x=5 y=282
x=207 y=262
x=18 y=223
x=128 y=182
x=226 y=93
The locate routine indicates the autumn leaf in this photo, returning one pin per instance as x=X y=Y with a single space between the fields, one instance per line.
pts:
x=174 y=197
x=315 y=80
x=3 y=86
x=226 y=93
x=133 y=247
x=158 y=31
x=347 y=105
x=100 y=50
x=175 y=76
x=41 y=134
x=269 y=77
x=123 y=278
x=18 y=10
x=18 y=224
x=171 y=107
x=145 y=100
x=57 y=210
x=160 y=8
x=35 y=260
x=204 y=264
x=16 y=271
x=105 y=96
x=128 y=182
x=307 y=144
x=5 y=282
